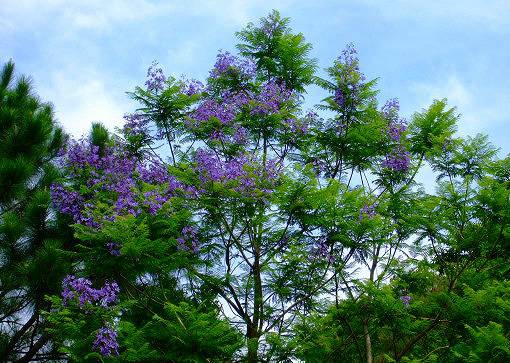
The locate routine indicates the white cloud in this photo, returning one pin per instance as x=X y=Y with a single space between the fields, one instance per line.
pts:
x=80 y=101
x=92 y=15
x=98 y=15
x=491 y=14
x=475 y=114
x=67 y=70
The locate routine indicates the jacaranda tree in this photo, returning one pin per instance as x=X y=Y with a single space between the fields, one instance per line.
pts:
x=227 y=222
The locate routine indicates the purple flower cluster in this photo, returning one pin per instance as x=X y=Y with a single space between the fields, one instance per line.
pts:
x=339 y=97
x=154 y=201
x=367 y=211
x=349 y=57
x=350 y=79
x=405 y=299
x=322 y=250
x=188 y=240
x=137 y=124
x=271 y=98
x=82 y=154
x=67 y=201
x=119 y=175
x=192 y=87
x=106 y=342
x=390 y=109
x=297 y=127
x=396 y=130
x=396 y=125
x=398 y=160
x=240 y=136
x=224 y=111
x=155 y=78
x=113 y=248
x=153 y=171
x=228 y=64
x=81 y=289
x=244 y=174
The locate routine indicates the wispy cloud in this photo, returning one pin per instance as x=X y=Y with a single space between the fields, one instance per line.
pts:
x=481 y=110
x=79 y=102
x=493 y=14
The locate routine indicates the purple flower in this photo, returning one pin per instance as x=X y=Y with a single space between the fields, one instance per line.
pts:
x=137 y=124
x=227 y=64
x=390 y=109
x=155 y=78
x=405 y=299
x=295 y=126
x=339 y=97
x=82 y=154
x=81 y=289
x=271 y=25
x=67 y=201
x=398 y=160
x=349 y=56
x=240 y=172
x=240 y=135
x=367 y=211
x=396 y=130
x=106 y=342
x=113 y=248
x=188 y=241
x=154 y=201
x=322 y=250
x=271 y=98
x=192 y=87
x=349 y=79
x=225 y=112
x=153 y=171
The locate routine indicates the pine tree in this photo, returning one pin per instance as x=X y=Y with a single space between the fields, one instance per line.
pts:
x=31 y=261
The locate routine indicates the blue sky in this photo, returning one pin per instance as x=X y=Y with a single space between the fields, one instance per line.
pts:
x=83 y=56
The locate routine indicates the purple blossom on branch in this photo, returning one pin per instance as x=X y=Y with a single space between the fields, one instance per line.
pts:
x=113 y=248
x=398 y=160
x=225 y=112
x=240 y=135
x=67 y=201
x=188 y=241
x=137 y=124
x=367 y=211
x=271 y=25
x=192 y=87
x=295 y=126
x=322 y=250
x=228 y=64
x=396 y=130
x=390 y=109
x=339 y=97
x=155 y=78
x=349 y=56
x=405 y=299
x=80 y=288
x=106 y=342
x=244 y=174
x=271 y=98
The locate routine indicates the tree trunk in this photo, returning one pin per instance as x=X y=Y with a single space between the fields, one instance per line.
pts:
x=253 y=344
x=367 y=341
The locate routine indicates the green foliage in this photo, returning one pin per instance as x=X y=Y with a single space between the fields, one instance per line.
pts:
x=310 y=239
x=278 y=52
x=32 y=261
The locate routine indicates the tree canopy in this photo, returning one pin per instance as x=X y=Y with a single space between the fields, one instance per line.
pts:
x=227 y=222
